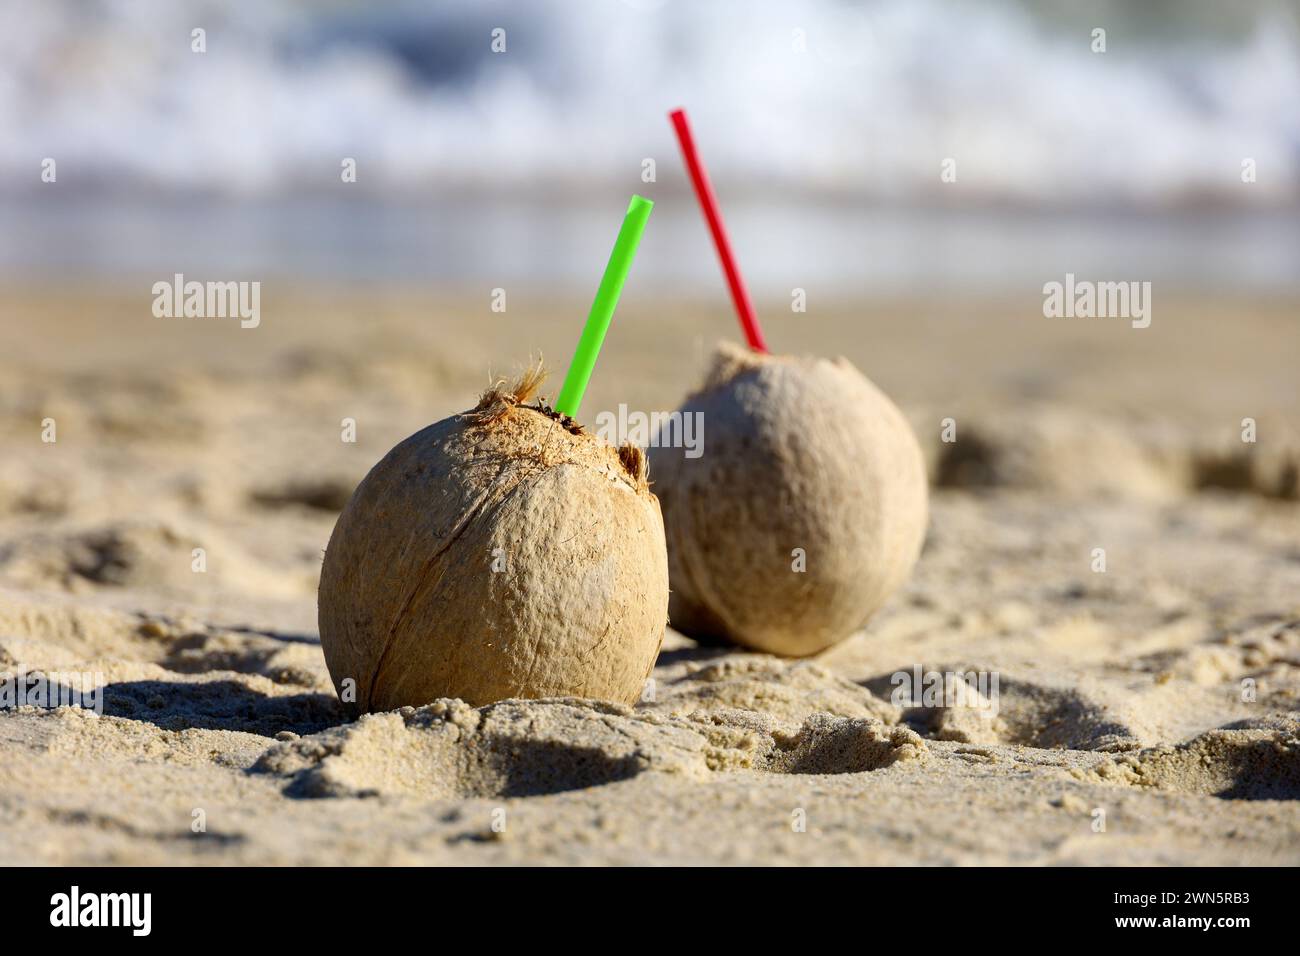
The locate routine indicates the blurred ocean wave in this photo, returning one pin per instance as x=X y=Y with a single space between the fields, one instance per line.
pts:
x=876 y=97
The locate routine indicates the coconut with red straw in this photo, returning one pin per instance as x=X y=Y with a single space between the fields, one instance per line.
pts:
x=807 y=507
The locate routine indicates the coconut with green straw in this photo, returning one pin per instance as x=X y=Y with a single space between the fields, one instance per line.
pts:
x=806 y=508
x=503 y=552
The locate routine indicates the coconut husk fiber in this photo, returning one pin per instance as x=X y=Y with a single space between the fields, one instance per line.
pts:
x=800 y=456
x=499 y=553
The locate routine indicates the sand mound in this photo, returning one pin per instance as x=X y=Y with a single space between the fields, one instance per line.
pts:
x=1268 y=655
x=1064 y=451
x=787 y=693
x=155 y=555
x=1260 y=761
x=41 y=633
x=528 y=748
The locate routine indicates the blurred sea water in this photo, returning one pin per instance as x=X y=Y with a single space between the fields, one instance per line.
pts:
x=822 y=247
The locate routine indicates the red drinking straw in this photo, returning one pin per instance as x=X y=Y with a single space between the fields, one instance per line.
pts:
x=704 y=190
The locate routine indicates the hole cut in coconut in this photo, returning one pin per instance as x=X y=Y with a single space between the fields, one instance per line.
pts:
x=498 y=399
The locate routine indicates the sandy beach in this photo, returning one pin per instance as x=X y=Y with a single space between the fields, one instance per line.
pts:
x=1145 y=714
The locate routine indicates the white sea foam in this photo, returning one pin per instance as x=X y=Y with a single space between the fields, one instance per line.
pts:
x=882 y=94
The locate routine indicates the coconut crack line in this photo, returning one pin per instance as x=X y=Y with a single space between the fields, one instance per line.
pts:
x=491 y=497
x=423 y=582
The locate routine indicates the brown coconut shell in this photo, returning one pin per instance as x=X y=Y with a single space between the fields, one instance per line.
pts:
x=797 y=453
x=411 y=608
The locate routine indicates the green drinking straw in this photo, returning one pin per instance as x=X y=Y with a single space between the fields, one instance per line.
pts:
x=602 y=310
